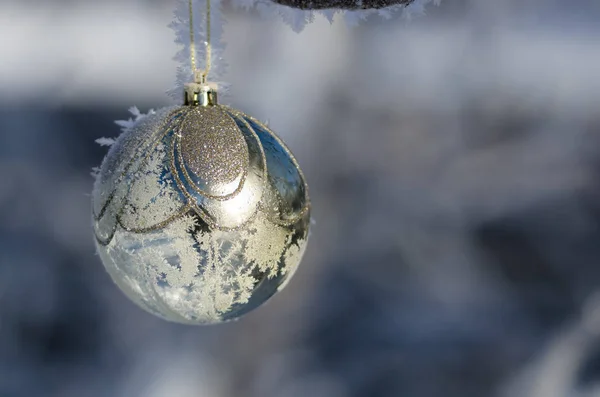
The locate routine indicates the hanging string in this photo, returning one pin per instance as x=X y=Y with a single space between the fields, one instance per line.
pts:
x=207 y=43
x=200 y=76
x=192 y=40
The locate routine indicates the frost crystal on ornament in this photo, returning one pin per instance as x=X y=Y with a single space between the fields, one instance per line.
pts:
x=181 y=27
x=200 y=213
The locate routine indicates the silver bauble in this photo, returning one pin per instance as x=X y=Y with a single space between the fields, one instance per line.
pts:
x=200 y=212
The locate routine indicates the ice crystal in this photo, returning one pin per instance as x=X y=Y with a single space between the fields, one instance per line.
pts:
x=135 y=112
x=105 y=141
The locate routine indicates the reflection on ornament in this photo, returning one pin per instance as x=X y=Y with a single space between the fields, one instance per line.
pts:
x=200 y=212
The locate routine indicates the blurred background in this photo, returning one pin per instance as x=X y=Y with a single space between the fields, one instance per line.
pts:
x=454 y=166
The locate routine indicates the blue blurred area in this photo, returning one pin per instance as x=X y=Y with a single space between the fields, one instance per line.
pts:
x=454 y=171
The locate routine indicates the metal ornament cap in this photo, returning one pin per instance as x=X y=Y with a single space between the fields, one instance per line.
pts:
x=200 y=94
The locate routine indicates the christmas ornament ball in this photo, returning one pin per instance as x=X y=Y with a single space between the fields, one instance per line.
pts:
x=200 y=212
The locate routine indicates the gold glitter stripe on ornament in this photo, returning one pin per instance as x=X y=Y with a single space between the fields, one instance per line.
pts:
x=181 y=212
x=192 y=201
x=212 y=147
x=201 y=212
x=181 y=161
